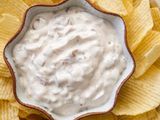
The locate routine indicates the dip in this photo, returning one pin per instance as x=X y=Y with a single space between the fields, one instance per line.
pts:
x=69 y=61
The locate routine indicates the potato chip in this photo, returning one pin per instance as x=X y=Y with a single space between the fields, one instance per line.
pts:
x=33 y=2
x=114 y=6
x=155 y=3
x=8 y=112
x=139 y=95
x=151 y=115
x=57 y=1
x=22 y=114
x=128 y=5
x=156 y=18
x=4 y=71
x=6 y=92
x=131 y=1
x=26 y=109
x=14 y=7
x=107 y=116
x=9 y=24
x=136 y=3
x=157 y=63
x=147 y=52
x=138 y=24
x=158 y=109
x=35 y=117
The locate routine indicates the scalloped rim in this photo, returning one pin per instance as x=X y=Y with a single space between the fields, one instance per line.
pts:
x=14 y=79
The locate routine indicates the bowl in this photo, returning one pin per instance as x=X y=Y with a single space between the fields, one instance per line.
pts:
x=120 y=28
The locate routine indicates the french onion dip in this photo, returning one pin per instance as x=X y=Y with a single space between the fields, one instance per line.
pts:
x=69 y=61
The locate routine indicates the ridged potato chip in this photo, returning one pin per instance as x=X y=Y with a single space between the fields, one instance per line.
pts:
x=136 y=3
x=128 y=5
x=9 y=24
x=35 y=117
x=33 y=2
x=158 y=109
x=157 y=63
x=28 y=116
x=6 y=92
x=8 y=112
x=139 y=95
x=22 y=114
x=107 y=116
x=131 y=1
x=155 y=3
x=4 y=71
x=138 y=23
x=147 y=52
x=108 y=5
x=57 y=1
x=25 y=116
x=27 y=110
x=14 y=7
x=156 y=18
x=151 y=115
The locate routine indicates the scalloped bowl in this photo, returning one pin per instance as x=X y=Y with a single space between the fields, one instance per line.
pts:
x=119 y=25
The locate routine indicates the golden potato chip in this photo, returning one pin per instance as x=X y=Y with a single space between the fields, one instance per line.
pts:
x=31 y=116
x=9 y=25
x=35 y=117
x=22 y=114
x=4 y=71
x=147 y=52
x=156 y=18
x=151 y=115
x=33 y=2
x=107 y=116
x=131 y=1
x=139 y=95
x=57 y=1
x=14 y=7
x=155 y=3
x=157 y=63
x=138 y=24
x=8 y=112
x=158 y=109
x=136 y=3
x=6 y=92
x=128 y=5
x=27 y=110
x=108 y=5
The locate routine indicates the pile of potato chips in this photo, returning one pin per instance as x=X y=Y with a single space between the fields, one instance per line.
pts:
x=139 y=98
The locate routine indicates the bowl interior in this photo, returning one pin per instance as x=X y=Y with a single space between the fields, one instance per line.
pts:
x=120 y=29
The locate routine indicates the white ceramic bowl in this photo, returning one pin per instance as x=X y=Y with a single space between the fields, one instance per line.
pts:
x=119 y=25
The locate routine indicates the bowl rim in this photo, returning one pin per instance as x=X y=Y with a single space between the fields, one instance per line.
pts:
x=49 y=116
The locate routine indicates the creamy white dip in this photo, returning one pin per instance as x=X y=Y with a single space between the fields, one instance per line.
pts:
x=69 y=61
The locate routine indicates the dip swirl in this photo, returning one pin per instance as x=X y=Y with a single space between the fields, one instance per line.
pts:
x=69 y=61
